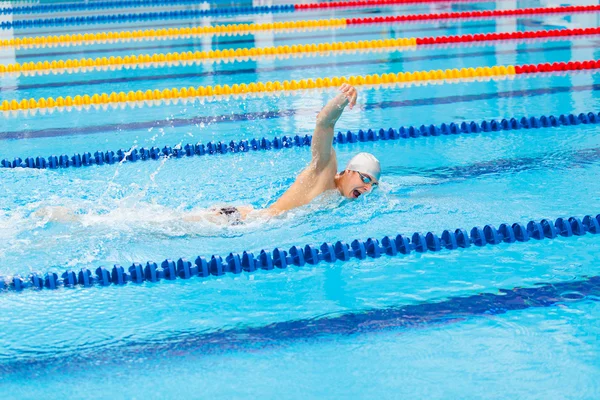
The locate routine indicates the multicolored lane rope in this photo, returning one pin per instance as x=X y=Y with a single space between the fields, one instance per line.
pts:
x=192 y=13
x=21 y=7
x=156 y=96
x=242 y=29
x=301 y=50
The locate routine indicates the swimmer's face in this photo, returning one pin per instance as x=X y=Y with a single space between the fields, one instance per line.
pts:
x=355 y=184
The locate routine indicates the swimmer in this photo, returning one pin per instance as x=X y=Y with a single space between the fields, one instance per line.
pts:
x=321 y=175
x=360 y=176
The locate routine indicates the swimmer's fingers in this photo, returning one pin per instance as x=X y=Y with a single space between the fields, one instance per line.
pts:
x=344 y=87
x=353 y=98
x=350 y=93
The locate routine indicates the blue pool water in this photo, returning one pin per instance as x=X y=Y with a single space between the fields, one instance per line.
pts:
x=508 y=321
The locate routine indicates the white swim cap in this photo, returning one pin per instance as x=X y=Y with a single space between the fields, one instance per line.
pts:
x=365 y=163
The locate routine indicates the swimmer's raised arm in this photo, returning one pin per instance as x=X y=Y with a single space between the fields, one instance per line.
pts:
x=322 y=142
x=321 y=174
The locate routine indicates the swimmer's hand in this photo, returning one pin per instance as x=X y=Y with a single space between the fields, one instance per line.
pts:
x=350 y=93
x=321 y=147
x=334 y=108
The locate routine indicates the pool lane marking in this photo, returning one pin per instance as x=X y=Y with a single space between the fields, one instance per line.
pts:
x=287 y=26
x=401 y=317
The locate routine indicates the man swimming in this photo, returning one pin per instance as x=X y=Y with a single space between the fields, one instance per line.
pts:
x=360 y=176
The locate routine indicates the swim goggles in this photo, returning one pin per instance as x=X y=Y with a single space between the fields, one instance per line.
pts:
x=367 y=179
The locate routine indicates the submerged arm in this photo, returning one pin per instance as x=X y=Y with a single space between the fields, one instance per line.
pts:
x=323 y=136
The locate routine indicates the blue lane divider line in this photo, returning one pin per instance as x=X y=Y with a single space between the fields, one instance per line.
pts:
x=140 y=17
x=235 y=263
x=256 y=338
x=189 y=150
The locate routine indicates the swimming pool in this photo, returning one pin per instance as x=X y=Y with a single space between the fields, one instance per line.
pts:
x=501 y=321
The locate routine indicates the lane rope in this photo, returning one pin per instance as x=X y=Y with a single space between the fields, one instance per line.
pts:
x=141 y=17
x=521 y=12
x=96 y=5
x=371 y=3
x=195 y=13
x=242 y=29
x=86 y=159
x=170 y=33
x=186 y=58
x=158 y=97
x=300 y=256
x=297 y=50
x=103 y=5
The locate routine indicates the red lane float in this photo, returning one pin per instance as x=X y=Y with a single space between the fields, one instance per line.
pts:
x=474 y=14
x=373 y=3
x=487 y=37
x=557 y=67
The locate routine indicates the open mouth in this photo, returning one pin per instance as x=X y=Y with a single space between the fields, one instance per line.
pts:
x=356 y=193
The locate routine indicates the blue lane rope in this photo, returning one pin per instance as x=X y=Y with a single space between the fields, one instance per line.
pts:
x=300 y=256
x=97 y=5
x=140 y=17
x=190 y=150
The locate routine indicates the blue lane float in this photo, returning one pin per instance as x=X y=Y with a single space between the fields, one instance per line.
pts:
x=97 y=5
x=141 y=17
x=299 y=256
x=87 y=159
